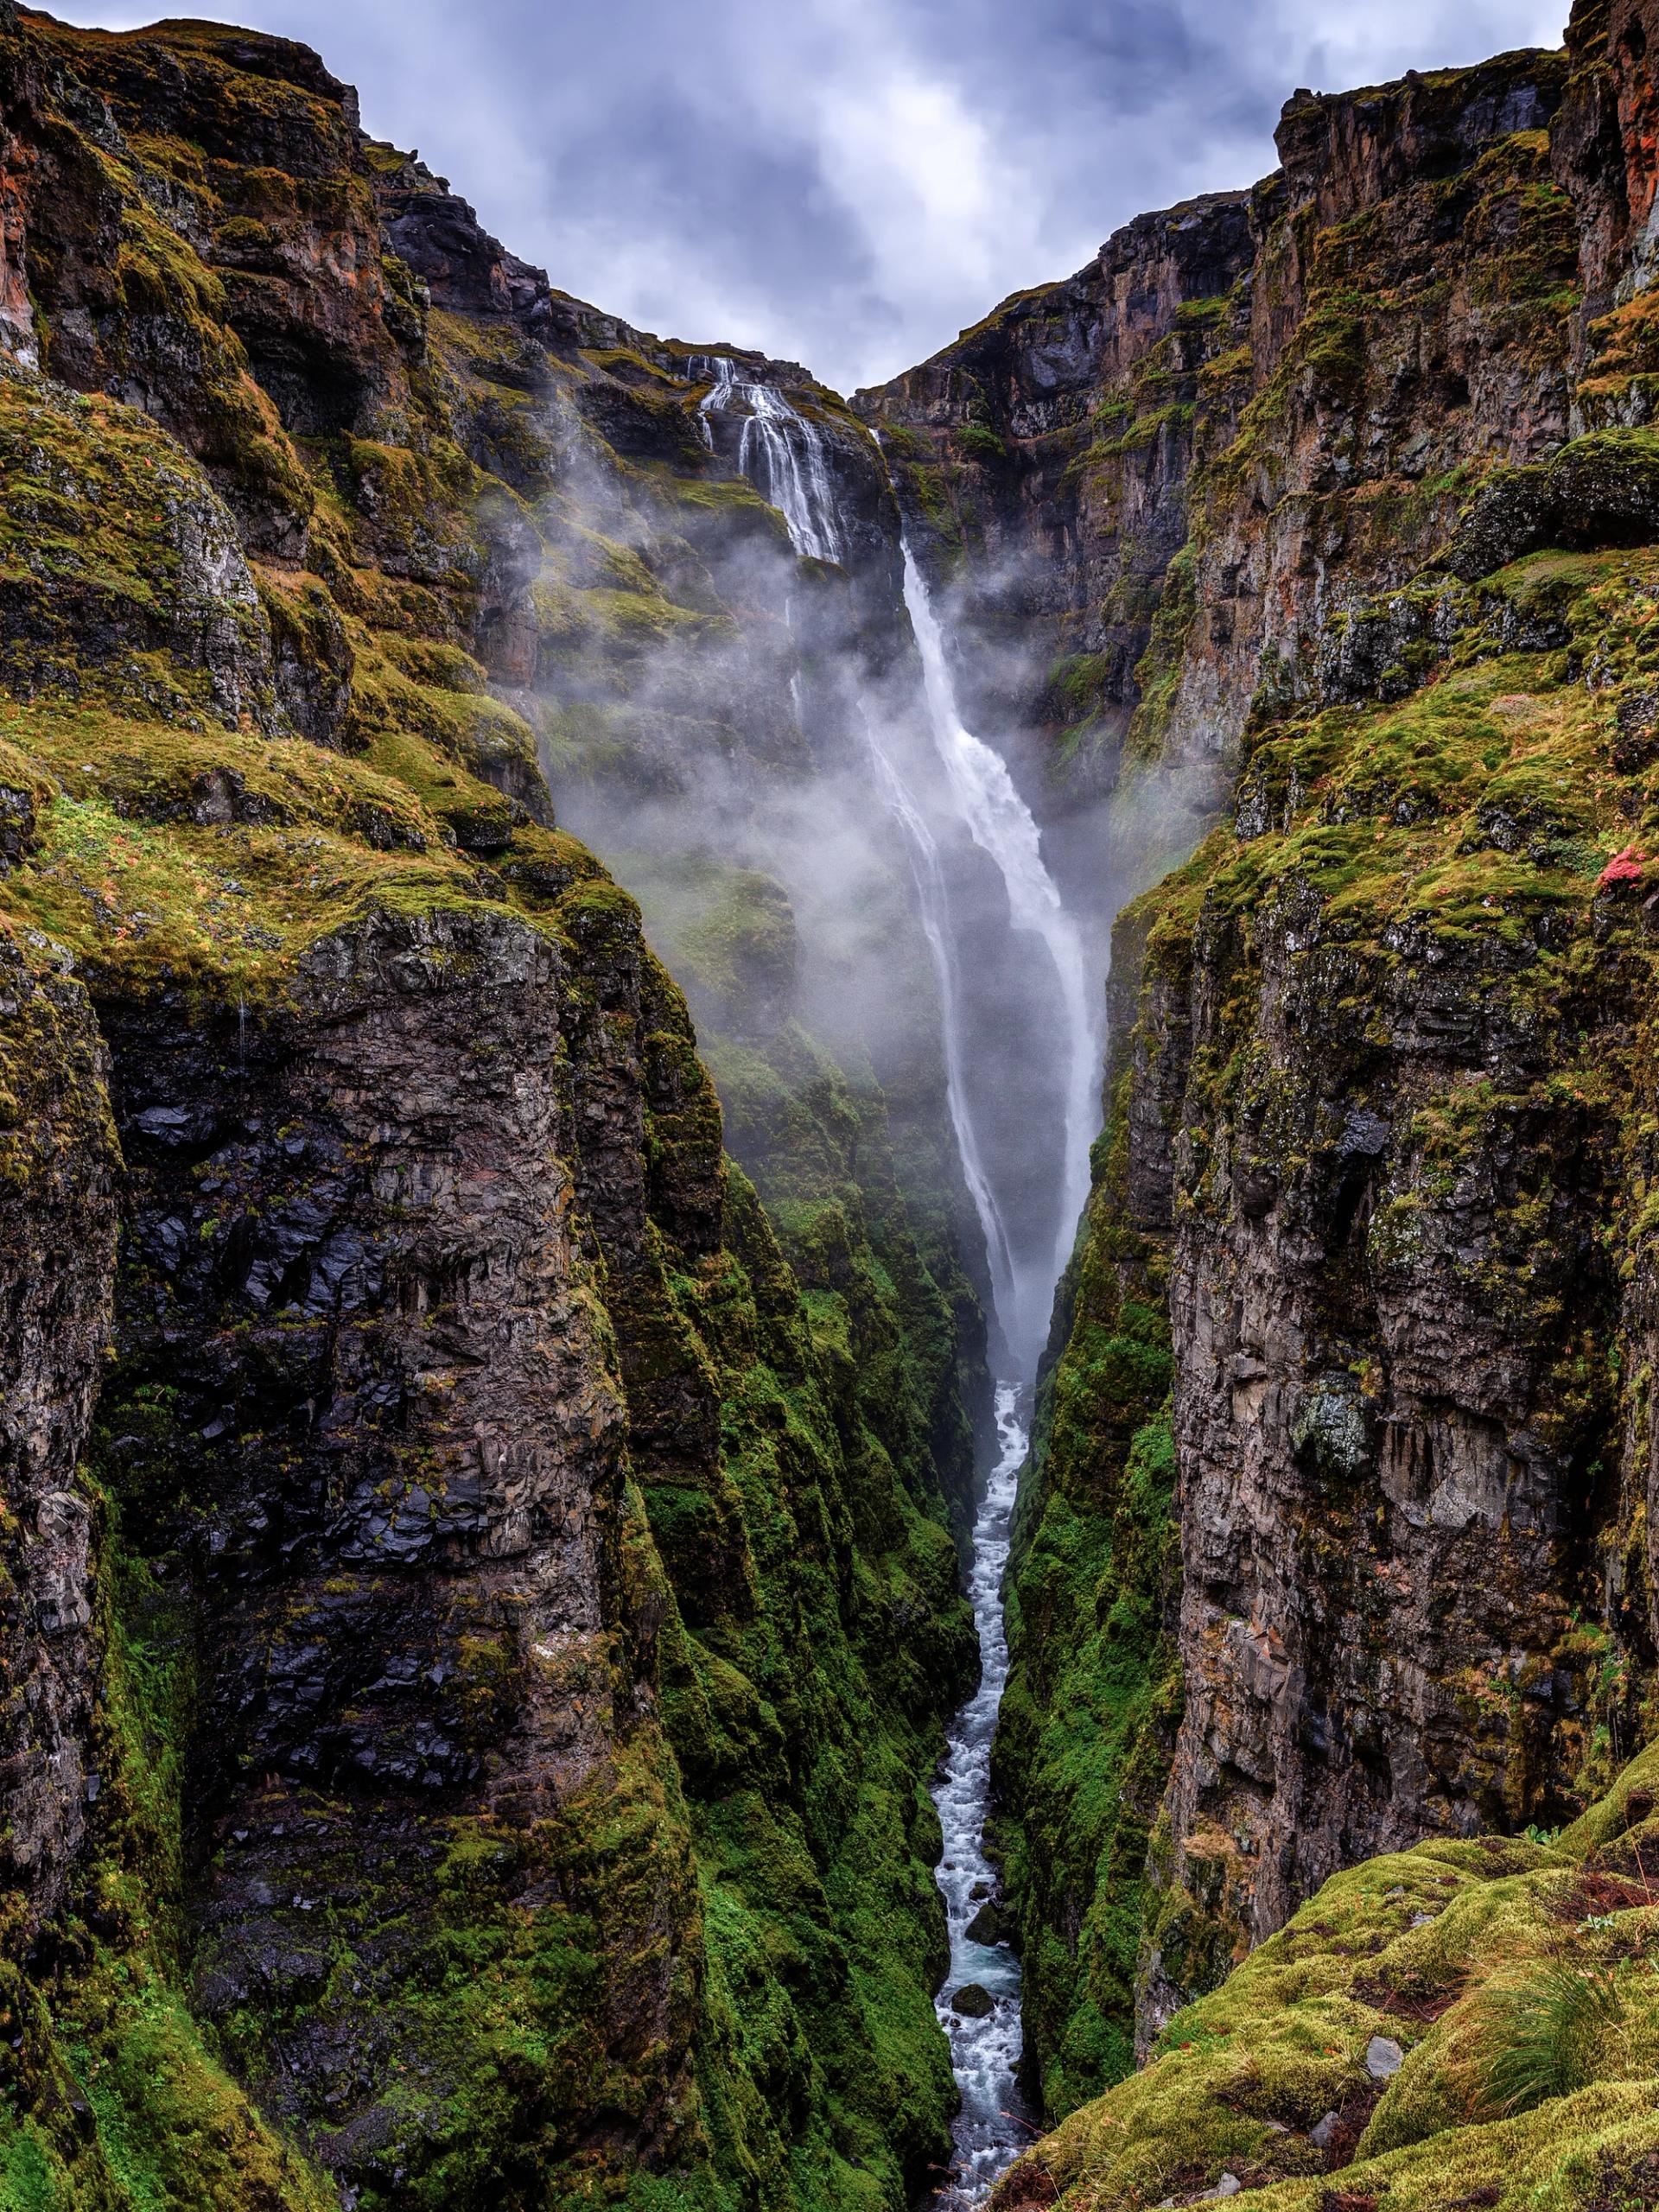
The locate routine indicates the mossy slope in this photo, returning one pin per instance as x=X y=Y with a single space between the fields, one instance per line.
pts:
x=1277 y=2079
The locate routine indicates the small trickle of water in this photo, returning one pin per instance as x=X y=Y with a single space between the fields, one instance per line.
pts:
x=994 y=2124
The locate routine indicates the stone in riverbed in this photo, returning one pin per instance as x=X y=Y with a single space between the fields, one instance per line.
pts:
x=974 y=2001
x=989 y=1925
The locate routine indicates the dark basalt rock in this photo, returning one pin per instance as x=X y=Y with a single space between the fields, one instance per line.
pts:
x=58 y=1166
x=1598 y=491
x=990 y=1924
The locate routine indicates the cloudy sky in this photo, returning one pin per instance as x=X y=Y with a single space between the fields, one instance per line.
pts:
x=845 y=183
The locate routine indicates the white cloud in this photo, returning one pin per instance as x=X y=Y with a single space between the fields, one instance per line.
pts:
x=848 y=182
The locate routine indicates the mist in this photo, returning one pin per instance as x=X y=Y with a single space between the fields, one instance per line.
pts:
x=847 y=879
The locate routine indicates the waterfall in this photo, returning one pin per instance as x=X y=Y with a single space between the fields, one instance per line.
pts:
x=1001 y=826
x=933 y=906
x=784 y=456
x=780 y=453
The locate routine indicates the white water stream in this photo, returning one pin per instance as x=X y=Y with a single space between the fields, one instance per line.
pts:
x=784 y=456
x=933 y=908
x=993 y=2125
x=780 y=453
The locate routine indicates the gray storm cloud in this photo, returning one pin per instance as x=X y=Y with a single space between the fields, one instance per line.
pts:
x=845 y=183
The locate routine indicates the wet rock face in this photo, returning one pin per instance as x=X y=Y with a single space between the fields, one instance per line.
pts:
x=353 y=1259
x=368 y=1413
x=1385 y=1495
x=58 y=1162
x=1044 y=458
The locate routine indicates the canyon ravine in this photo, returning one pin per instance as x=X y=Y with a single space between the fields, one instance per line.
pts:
x=828 y=1223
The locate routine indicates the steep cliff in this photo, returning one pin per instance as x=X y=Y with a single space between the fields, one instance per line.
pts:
x=480 y=1565
x=1371 y=1205
x=477 y=1618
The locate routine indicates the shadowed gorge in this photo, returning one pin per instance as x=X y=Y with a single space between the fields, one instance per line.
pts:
x=655 y=1020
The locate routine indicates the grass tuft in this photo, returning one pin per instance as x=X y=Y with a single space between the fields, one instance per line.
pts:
x=1542 y=2032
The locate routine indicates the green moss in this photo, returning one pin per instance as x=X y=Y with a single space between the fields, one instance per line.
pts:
x=818 y=2052
x=981 y=442
x=119 y=2101
x=125 y=875
x=1158 y=674
x=1428 y=1949
x=1093 y=1686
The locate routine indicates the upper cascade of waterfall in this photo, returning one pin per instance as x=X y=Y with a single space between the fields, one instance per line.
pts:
x=780 y=452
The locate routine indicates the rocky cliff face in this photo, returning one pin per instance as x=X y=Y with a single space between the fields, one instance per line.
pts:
x=477 y=1617
x=1370 y=1204
x=1163 y=484
x=479 y=1576
x=1045 y=461
x=59 y=1246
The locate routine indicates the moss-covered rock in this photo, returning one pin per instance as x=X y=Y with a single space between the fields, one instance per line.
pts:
x=1463 y=1956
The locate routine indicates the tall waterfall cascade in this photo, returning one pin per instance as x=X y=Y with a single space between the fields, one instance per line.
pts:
x=933 y=909
x=970 y=795
x=1002 y=826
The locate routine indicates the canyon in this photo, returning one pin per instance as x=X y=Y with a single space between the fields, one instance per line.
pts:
x=826 y=1224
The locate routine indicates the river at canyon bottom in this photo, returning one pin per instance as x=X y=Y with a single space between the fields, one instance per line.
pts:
x=995 y=2123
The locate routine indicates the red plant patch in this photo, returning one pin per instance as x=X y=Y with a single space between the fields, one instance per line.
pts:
x=1624 y=868
x=1029 y=2187
x=1597 y=1892
x=1625 y=2185
x=1356 y=2112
